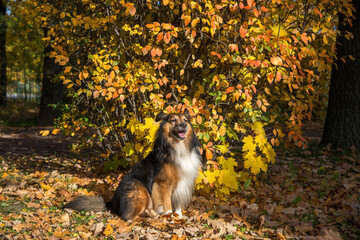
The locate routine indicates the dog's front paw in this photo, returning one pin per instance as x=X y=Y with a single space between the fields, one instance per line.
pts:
x=160 y=209
x=168 y=212
x=151 y=213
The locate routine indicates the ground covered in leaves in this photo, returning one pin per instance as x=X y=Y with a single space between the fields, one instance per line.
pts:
x=308 y=194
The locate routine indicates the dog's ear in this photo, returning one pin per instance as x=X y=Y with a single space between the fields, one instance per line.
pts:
x=187 y=113
x=161 y=116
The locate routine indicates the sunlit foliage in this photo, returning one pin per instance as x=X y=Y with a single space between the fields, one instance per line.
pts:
x=238 y=66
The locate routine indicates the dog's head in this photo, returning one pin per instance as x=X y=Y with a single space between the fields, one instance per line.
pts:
x=175 y=126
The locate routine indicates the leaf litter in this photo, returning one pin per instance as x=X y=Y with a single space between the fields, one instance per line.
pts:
x=302 y=196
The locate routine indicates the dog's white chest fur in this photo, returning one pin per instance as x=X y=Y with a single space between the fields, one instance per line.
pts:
x=189 y=163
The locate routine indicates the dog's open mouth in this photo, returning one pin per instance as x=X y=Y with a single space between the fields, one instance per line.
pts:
x=180 y=134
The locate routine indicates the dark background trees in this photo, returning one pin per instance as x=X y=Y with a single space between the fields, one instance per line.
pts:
x=342 y=124
x=3 y=62
x=52 y=92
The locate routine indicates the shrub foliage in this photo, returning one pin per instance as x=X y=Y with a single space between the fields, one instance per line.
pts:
x=238 y=66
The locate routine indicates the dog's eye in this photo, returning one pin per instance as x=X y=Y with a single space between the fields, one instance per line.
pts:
x=185 y=120
x=173 y=120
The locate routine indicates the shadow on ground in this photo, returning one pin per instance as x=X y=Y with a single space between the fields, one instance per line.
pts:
x=25 y=149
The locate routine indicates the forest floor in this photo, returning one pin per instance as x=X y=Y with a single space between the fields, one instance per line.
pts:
x=307 y=194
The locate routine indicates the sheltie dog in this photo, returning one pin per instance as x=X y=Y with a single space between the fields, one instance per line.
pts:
x=162 y=182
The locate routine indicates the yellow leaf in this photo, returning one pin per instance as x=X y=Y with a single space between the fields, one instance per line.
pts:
x=325 y=40
x=269 y=153
x=44 y=133
x=228 y=178
x=258 y=128
x=182 y=72
x=222 y=148
x=45 y=187
x=62 y=15
x=106 y=131
x=212 y=176
x=255 y=164
x=55 y=131
x=278 y=30
x=108 y=230
x=249 y=144
x=227 y=163
x=139 y=147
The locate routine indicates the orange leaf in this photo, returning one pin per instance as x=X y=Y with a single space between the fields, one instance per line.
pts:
x=96 y=94
x=132 y=10
x=250 y=3
x=234 y=47
x=67 y=69
x=153 y=52
x=278 y=76
x=187 y=20
x=258 y=102
x=243 y=32
x=160 y=36
x=167 y=37
x=209 y=154
x=181 y=72
x=158 y=51
x=222 y=131
x=199 y=119
x=277 y=61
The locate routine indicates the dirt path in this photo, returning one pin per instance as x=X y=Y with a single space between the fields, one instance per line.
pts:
x=27 y=141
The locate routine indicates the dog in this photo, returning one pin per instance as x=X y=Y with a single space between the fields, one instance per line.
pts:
x=163 y=181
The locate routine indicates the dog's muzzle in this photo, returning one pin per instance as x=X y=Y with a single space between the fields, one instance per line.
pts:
x=180 y=131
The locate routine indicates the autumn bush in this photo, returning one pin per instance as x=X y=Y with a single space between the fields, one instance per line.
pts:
x=238 y=66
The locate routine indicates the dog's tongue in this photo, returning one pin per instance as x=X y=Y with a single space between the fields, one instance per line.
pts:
x=181 y=134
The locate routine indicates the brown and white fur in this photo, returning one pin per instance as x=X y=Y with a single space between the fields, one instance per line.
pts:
x=163 y=181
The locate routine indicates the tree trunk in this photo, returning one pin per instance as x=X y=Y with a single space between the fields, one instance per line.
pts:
x=51 y=92
x=3 y=61
x=342 y=124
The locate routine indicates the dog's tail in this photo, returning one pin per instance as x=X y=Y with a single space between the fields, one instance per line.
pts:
x=88 y=203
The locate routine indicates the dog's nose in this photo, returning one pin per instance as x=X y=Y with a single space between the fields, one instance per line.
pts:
x=183 y=125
